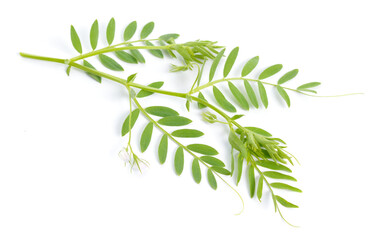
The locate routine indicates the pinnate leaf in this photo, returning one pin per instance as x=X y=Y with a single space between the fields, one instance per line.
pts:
x=222 y=101
x=263 y=94
x=285 y=203
x=211 y=179
x=187 y=133
x=196 y=171
x=75 y=40
x=145 y=93
x=230 y=61
x=277 y=175
x=146 y=137
x=94 y=35
x=93 y=76
x=126 y=57
x=110 y=63
x=130 y=31
x=249 y=66
x=270 y=71
x=250 y=92
x=147 y=30
x=203 y=149
x=163 y=149
x=110 y=32
x=174 y=121
x=126 y=125
x=284 y=95
x=285 y=186
x=179 y=160
x=215 y=63
x=212 y=161
x=251 y=177
x=288 y=76
x=161 y=111
x=238 y=96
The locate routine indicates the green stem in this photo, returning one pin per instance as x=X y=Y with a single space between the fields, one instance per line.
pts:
x=49 y=59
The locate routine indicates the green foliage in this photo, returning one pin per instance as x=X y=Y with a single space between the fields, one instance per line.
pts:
x=110 y=63
x=75 y=40
x=129 y=124
x=94 y=35
x=110 y=32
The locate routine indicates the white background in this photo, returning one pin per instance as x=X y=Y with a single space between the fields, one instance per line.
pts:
x=60 y=175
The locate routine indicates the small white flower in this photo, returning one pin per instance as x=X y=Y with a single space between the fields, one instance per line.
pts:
x=124 y=155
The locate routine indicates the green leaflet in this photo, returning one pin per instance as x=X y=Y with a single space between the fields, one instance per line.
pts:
x=145 y=93
x=110 y=32
x=304 y=87
x=147 y=30
x=146 y=137
x=307 y=90
x=155 y=52
x=161 y=111
x=179 y=160
x=260 y=188
x=211 y=179
x=168 y=38
x=126 y=57
x=129 y=31
x=285 y=186
x=174 y=121
x=276 y=175
x=251 y=177
x=203 y=149
x=212 y=161
x=239 y=168
x=272 y=165
x=288 y=76
x=163 y=149
x=232 y=162
x=259 y=131
x=230 y=61
x=75 y=40
x=93 y=76
x=238 y=116
x=200 y=105
x=196 y=171
x=187 y=133
x=238 y=96
x=225 y=104
x=250 y=92
x=110 y=63
x=237 y=144
x=215 y=63
x=249 y=66
x=131 y=78
x=221 y=170
x=270 y=71
x=137 y=55
x=285 y=203
x=284 y=95
x=94 y=35
x=263 y=94
x=126 y=125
